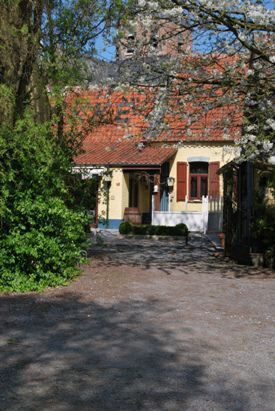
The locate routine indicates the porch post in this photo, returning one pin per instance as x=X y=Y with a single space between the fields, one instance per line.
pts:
x=96 y=204
x=157 y=194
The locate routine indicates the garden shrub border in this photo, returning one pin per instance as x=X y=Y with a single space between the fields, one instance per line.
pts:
x=154 y=231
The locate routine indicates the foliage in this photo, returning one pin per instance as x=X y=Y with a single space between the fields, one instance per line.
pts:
x=143 y=229
x=182 y=228
x=178 y=230
x=263 y=229
x=82 y=191
x=69 y=31
x=125 y=227
x=139 y=229
x=6 y=103
x=43 y=47
x=232 y=60
x=41 y=237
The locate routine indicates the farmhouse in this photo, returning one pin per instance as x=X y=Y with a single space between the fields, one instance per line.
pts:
x=156 y=154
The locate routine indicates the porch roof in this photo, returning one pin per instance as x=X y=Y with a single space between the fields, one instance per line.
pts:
x=124 y=153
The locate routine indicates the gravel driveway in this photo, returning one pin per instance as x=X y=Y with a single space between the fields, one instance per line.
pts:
x=150 y=325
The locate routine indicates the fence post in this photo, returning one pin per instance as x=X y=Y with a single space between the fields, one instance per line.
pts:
x=204 y=213
x=153 y=209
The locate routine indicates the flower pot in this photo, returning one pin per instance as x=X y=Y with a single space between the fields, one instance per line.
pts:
x=222 y=239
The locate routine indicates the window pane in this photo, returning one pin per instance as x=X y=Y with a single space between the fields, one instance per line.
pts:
x=199 y=168
x=203 y=186
x=194 y=187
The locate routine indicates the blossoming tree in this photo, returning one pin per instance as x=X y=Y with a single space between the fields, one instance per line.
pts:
x=231 y=63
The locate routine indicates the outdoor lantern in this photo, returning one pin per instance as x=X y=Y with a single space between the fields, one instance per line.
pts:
x=170 y=181
x=108 y=178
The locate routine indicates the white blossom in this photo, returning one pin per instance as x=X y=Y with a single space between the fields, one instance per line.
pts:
x=271 y=123
x=250 y=72
x=267 y=146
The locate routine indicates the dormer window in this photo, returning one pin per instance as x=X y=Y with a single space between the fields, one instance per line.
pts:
x=154 y=42
x=180 y=41
x=130 y=43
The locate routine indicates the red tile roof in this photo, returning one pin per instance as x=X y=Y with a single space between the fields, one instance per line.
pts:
x=118 y=120
x=124 y=153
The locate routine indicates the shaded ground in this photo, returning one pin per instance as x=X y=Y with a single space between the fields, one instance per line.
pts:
x=150 y=325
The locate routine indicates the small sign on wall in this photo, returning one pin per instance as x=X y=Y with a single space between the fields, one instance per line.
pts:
x=112 y=197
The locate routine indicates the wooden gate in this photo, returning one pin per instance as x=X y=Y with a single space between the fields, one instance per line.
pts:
x=215 y=214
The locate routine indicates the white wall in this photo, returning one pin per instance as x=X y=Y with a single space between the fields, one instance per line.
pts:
x=195 y=221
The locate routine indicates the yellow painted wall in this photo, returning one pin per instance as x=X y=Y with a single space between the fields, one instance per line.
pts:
x=119 y=190
x=222 y=153
x=118 y=196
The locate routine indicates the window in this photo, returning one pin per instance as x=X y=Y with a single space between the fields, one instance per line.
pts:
x=198 y=182
x=203 y=180
x=130 y=43
x=154 y=42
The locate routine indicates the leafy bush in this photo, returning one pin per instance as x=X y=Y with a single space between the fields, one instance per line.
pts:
x=125 y=227
x=155 y=230
x=41 y=237
x=181 y=229
x=139 y=229
x=263 y=227
x=263 y=231
x=82 y=191
x=151 y=229
x=169 y=230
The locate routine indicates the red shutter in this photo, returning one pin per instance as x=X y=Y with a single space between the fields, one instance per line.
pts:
x=214 y=179
x=181 y=181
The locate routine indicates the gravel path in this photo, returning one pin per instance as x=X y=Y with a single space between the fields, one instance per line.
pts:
x=150 y=325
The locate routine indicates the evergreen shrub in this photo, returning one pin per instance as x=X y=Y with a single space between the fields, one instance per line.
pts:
x=178 y=230
x=139 y=229
x=125 y=227
x=181 y=229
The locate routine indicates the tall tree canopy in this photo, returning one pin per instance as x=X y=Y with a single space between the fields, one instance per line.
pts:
x=42 y=47
x=42 y=42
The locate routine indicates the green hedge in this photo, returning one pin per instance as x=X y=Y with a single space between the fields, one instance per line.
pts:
x=128 y=228
x=125 y=227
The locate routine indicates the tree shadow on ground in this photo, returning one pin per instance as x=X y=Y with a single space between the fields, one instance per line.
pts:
x=64 y=353
x=167 y=256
